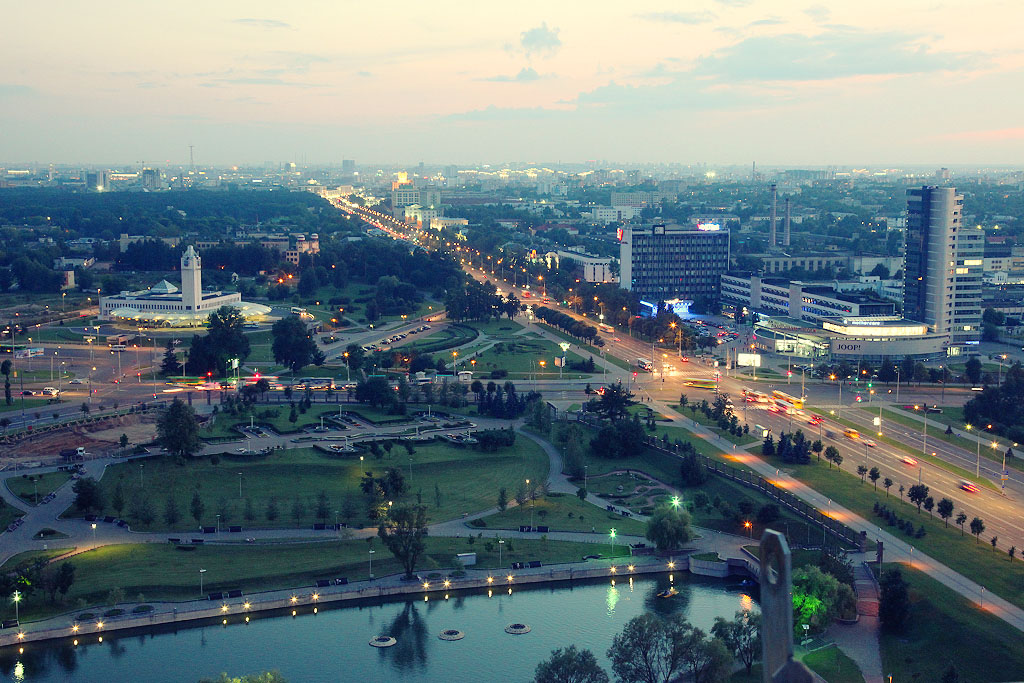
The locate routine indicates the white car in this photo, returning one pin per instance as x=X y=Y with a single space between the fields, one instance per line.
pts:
x=77 y=381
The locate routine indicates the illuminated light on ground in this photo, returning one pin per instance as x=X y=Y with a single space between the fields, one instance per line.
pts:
x=294 y=599
x=746 y=602
x=223 y=608
x=490 y=579
x=613 y=569
x=447 y=583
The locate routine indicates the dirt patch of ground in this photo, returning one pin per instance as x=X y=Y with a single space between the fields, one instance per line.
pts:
x=97 y=438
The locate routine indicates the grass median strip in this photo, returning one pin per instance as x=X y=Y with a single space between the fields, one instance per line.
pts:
x=28 y=486
x=916 y=453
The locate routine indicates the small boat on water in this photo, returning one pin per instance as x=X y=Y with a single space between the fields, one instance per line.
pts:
x=670 y=592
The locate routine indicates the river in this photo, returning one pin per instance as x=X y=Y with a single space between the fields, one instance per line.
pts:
x=332 y=645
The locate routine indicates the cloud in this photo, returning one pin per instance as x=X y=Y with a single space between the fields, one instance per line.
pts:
x=12 y=90
x=767 y=21
x=262 y=23
x=541 y=41
x=689 y=18
x=525 y=75
x=829 y=55
x=257 y=80
x=364 y=74
x=819 y=13
x=995 y=135
x=734 y=3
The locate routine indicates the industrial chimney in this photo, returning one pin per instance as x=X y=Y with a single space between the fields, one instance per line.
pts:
x=775 y=197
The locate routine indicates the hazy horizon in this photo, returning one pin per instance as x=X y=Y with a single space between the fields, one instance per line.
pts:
x=723 y=82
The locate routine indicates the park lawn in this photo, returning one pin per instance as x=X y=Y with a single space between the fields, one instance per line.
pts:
x=160 y=572
x=703 y=420
x=223 y=424
x=26 y=486
x=950 y=415
x=587 y=348
x=834 y=666
x=934 y=460
x=26 y=559
x=995 y=455
x=946 y=628
x=520 y=357
x=376 y=415
x=796 y=528
x=39 y=374
x=564 y=512
x=468 y=481
x=57 y=334
x=8 y=513
x=989 y=567
x=497 y=329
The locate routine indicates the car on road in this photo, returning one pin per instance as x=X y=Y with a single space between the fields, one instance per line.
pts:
x=909 y=461
x=28 y=392
x=968 y=486
x=77 y=381
x=869 y=443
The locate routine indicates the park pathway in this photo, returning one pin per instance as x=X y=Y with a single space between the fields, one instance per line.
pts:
x=860 y=641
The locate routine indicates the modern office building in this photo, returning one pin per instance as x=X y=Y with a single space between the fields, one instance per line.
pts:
x=662 y=262
x=943 y=266
x=165 y=304
x=813 y=302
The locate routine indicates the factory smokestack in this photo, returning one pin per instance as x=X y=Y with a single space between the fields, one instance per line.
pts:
x=785 y=233
x=775 y=197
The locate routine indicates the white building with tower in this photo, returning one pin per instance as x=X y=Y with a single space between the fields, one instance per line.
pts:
x=166 y=305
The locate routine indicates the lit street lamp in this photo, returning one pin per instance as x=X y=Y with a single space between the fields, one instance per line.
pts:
x=201 y=572
x=611 y=535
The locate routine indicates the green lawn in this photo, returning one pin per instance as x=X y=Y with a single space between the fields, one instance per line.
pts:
x=946 y=628
x=587 y=348
x=468 y=481
x=160 y=572
x=564 y=512
x=835 y=667
x=520 y=357
x=960 y=553
x=26 y=559
x=56 y=334
x=376 y=415
x=708 y=423
x=497 y=329
x=27 y=486
x=29 y=404
x=8 y=513
x=223 y=423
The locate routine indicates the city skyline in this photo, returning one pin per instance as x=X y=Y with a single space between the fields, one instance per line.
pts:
x=726 y=82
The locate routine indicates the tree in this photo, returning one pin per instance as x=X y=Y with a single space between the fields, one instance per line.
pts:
x=1011 y=551
x=977 y=527
x=669 y=527
x=818 y=597
x=917 y=495
x=742 y=636
x=645 y=651
x=575 y=450
x=196 y=507
x=502 y=499
x=902 y=489
x=293 y=346
x=298 y=510
x=862 y=470
x=945 y=510
x=929 y=503
x=88 y=495
x=170 y=365
x=5 y=368
x=972 y=370
x=614 y=403
x=171 y=512
x=994 y=540
x=177 y=429
x=570 y=666
x=225 y=339
x=830 y=454
x=265 y=677
x=817 y=447
x=886 y=483
x=960 y=519
x=117 y=500
x=894 y=601
x=403 y=532
x=874 y=475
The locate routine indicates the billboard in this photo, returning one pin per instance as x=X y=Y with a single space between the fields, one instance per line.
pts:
x=749 y=360
x=28 y=353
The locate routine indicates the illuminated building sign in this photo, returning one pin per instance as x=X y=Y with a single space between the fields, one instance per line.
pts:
x=709 y=227
x=618 y=233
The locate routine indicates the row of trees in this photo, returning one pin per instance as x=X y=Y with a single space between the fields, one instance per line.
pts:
x=1001 y=406
x=569 y=325
x=474 y=300
x=654 y=649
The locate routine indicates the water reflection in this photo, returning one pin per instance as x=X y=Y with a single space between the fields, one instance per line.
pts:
x=332 y=645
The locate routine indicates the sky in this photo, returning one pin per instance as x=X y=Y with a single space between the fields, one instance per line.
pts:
x=780 y=82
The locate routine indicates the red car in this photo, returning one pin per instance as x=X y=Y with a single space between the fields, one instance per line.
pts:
x=970 y=487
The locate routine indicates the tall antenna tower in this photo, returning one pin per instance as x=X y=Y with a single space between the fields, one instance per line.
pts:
x=191 y=158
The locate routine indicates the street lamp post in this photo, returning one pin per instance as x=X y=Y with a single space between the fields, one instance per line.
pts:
x=372 y=551
x=500 y=543
x=611 y=535
x=239 y=486
x=94 y=533
x=977 y=466
x=201 y=572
